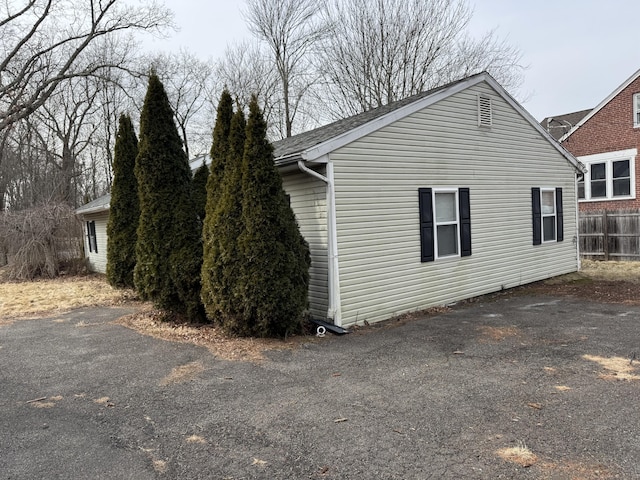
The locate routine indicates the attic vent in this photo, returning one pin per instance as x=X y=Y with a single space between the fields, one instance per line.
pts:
x=485 y=118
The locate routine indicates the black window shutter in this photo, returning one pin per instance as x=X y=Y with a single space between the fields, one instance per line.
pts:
x=559 y=216
x=89 y=241
x=425 y=202
x=94 y=236
x=465 y=222
x=537 y=216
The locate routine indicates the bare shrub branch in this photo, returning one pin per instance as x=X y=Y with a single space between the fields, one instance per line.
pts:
x=41 y=241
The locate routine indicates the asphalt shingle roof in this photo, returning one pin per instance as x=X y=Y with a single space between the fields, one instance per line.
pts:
x=301 y=142
x=559 y=125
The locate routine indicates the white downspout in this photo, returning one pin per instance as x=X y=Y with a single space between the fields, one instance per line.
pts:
x=334 y=311
x=577 y=237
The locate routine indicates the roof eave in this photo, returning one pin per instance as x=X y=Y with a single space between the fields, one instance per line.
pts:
x=527 y=116
x=610 y=97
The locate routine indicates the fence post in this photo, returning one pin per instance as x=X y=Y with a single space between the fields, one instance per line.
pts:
x=605 y=235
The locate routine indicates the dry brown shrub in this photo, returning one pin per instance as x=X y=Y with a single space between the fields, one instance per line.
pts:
x=41 y=241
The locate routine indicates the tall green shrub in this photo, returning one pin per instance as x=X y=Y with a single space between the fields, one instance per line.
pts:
x=219 y=151
x=221 y=265
x=274 y=279
x=219 y=148
x=124 y=210
x=168 y=249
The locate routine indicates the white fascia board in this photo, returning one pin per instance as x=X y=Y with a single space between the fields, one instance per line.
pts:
x=317 y=151
x=599 y=157
x=535 y=124
x=613 y=94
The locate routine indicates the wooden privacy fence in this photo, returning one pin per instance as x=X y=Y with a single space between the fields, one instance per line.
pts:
x=610 y=235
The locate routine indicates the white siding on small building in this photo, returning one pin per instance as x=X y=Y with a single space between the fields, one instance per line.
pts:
x=309 y=203
x=376 y=183
x=97 y=261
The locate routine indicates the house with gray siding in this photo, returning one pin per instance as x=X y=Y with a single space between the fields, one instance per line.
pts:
x=446 y=195
x=95 y=215
x=450 y=194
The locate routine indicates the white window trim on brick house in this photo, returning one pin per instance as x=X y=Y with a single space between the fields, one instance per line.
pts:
x=608 y=159
x=636 y=110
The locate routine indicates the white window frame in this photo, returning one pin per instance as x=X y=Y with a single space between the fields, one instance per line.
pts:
x=553 y=215
x=636 y=110
x=608 y=159
x=437 y=224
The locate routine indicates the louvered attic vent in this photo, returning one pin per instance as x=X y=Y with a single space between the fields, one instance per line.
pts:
x=485 y=117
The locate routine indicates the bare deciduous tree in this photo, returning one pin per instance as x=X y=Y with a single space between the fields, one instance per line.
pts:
x=43 y=42
x=246 y=70
x=291 y=29
x=189 y=85
x=380 y=51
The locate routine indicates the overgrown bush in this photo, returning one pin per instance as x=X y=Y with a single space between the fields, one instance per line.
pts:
x=43 y=241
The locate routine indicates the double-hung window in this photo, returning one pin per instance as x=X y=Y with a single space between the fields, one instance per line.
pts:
x=445 y=223
x=636 y=110
x=548 y=221
x=610 y=176
x=92 y=239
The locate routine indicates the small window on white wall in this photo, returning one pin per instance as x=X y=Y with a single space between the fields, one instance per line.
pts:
x=636 y=110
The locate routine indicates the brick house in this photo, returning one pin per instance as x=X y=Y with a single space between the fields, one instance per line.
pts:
x=606 y=140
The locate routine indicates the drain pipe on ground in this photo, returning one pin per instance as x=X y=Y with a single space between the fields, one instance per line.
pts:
x=333 y=311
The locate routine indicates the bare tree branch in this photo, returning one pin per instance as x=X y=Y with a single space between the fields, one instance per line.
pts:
x=37 y=54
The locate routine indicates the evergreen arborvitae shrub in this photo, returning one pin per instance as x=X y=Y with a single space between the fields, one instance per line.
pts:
x=199 y=183
x=219 y=151
x=168 y=249
x=221 y=265
x=124 y=210
x=274 y=277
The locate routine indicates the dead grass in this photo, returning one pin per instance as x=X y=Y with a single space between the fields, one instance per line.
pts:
x=615 y=368
x=196 y=439
x=25 y=299
x=497 y=334
x=611 y=271
x=183 y=373
x=519 y=455
x=577 y=471
x=149 y=322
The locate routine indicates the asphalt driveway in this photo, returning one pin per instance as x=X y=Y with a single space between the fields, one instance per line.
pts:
x=436 y=397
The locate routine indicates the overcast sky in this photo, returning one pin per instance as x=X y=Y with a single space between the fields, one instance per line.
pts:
x=577 y=51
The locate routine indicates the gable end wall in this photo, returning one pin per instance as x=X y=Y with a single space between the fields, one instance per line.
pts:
x=377 y=181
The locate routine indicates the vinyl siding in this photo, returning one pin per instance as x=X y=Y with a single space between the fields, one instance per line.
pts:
x=377 y=179
x=97 y=261
x=309 y=203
